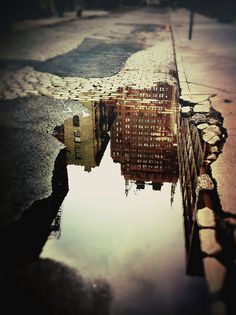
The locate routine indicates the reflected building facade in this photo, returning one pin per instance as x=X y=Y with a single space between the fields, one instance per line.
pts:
x=86 y=136
x=144 y=135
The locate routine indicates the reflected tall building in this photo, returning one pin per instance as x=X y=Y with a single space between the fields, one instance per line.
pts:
x=86 y=136
x=144 y=135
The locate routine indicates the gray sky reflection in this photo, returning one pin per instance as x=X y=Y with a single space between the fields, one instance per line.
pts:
x=136 y=242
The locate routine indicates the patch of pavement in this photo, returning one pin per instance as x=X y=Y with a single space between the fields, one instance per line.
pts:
x=28 y=151
x=93 y=58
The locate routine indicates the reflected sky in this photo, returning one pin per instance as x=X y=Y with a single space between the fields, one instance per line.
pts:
x=136 y=242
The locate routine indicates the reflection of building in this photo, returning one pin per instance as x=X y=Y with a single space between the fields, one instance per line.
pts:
x=191 y=162
x=143 y=137
x=86 y=137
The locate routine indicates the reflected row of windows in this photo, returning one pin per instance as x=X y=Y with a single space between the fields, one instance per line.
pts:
x=141 y=114
x=153 y=121
x=146 y=166
x=163 y=119
x=147 y=120
x=158 y=144
x=141 y=126
x=144 y=138
x=139 y=155
x=145 y=133
x=158 y=156
x=149 y=161
x=153 y=95
x=144 y=107
x=151 y=145
x=162 y=88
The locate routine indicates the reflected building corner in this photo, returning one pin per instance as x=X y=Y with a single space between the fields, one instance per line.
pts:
x=86 y=136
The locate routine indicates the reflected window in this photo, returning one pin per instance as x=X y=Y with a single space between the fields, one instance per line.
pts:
x=77 y=137
x=77 y=153
x=76 y=121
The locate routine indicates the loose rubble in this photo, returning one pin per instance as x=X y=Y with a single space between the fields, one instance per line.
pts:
x=207 y=123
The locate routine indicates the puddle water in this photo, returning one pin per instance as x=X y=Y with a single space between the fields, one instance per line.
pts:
x=122 y=219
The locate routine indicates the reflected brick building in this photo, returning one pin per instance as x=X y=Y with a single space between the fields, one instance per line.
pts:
x=143 y=137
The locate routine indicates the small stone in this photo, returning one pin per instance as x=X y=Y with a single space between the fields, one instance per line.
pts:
x=213 y=121
x=59 y=97
x=49 y=94
x=206 y=218
x=208 y=162
x=10 y=96
x=29 y=91
x=215 y=274
x=212 y=157
x=214 y=140
x=22 y=94
x=201 y=108
x=33 y=80
x=208 y=241
x=34 y=92
x=204 y=182
x=214 y=149
x=213 y=129
x=186 y=111
x=210 y=137
x=74 y=98
x=202 y=126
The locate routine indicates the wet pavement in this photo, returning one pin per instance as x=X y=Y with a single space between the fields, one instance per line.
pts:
x=101 y=158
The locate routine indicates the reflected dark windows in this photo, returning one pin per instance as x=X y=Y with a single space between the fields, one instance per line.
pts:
x=86 y=137
x=147 y=136
x=77 y=138
x=77 y=153
x=76 y=121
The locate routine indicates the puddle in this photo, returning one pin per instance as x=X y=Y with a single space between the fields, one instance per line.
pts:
x=134 y=166
x=121 y=220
